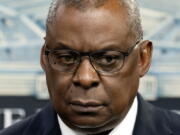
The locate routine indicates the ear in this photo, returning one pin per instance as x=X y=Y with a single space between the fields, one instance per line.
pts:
x=145 y=56
x=43 y=59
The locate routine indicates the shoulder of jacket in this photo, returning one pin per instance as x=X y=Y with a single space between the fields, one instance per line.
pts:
x=174 y=120
x=20 y=127
x=17 y=128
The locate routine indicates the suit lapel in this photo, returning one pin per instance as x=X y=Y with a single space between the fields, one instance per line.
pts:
x=50 y=122
x=150 y=120
x=44 y=123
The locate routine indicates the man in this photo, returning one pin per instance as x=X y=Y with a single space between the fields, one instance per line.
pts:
x=93 y=58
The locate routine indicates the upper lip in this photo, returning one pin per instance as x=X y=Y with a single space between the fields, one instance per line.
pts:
x=86 y=103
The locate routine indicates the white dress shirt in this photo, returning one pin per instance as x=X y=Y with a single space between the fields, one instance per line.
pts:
x=124 y=128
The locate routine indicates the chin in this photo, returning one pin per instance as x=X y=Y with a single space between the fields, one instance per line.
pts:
x=90 y=125
x=88 y=122
x=91 y=129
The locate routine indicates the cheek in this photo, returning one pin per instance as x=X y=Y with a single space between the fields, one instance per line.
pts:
x=121 y=95
x=58 y=86
x=121 y=89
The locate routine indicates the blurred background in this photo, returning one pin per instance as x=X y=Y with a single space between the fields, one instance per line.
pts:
x=22 y=83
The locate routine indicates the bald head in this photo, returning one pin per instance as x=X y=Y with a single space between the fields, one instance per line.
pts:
x=133 y=15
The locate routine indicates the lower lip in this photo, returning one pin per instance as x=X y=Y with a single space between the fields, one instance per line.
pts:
x=86 y=109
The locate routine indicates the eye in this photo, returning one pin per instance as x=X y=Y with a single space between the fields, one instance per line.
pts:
x=66 y=59
x=108 y=60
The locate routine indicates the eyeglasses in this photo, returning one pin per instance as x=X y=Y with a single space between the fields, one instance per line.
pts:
x=105 y=62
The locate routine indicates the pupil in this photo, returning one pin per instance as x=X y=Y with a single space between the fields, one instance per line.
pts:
x=109 y=59
x=68 y=58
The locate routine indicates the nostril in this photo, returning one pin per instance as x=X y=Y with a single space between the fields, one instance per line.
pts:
x=95 y=84
x=77 y=84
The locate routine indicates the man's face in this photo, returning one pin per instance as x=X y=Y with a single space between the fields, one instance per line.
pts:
x=87 y=100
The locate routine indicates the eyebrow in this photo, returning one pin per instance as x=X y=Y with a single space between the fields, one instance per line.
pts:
x=60 y=46
x=64 y=46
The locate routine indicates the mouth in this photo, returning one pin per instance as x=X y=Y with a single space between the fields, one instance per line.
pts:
x=86 y=106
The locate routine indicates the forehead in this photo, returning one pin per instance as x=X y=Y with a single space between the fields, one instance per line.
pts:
x=93 y=26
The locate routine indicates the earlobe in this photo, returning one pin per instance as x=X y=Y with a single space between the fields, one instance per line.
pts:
x=43 y=58
x=145 y=56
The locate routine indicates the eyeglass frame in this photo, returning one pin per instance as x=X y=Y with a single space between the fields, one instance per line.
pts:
x=90 y=55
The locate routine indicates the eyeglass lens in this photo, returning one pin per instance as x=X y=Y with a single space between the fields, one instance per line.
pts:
x=68 y=61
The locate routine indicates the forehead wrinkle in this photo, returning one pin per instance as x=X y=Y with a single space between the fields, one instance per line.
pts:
x=110 y=6
x=91 y=25
x=91 y=17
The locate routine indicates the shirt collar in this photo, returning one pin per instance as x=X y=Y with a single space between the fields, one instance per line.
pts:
x=124 y=128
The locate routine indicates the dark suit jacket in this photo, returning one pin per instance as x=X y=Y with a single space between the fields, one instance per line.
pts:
x=150 y=120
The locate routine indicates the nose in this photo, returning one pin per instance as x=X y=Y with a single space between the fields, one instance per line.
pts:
x=86 y=76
